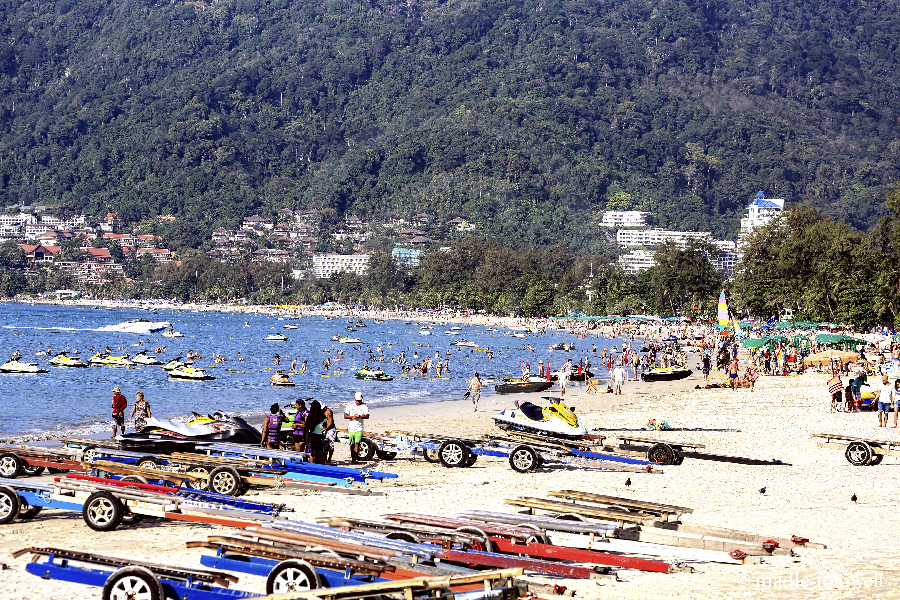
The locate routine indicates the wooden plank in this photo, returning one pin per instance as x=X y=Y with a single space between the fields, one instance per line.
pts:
x=652 y=535
x=609 y=514
x=545 y=523
x=727 y=534
x=651 y=441
x=617 y=501
x=338 y=546
x=452 y=523
x=606 y=544
x=386 y=526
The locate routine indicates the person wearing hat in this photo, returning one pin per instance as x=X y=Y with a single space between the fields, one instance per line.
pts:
x=355 y=412
x=119 y=404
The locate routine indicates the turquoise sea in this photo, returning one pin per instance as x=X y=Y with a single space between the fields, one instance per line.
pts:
x=69 y=401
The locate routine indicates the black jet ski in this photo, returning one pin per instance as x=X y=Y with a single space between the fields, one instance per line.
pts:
x=162 y=435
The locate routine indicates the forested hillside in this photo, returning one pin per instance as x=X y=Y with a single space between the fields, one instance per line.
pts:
x=526 y=116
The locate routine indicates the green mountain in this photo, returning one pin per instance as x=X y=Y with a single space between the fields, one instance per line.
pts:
x=527 y=117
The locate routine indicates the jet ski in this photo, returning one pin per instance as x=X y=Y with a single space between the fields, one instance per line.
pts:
x=275 y=337
x=172 y=334
x=173 y=364
x=349 y=340
x=63 y=360
x=373 y=375
x=279 y=379
x=515 y=386
x=17 y=366
x=556 y=420
x=162 y=435
x=142 y=358
x=193 y=373
x=666 y=374
x=289 y=326
x=110 y=361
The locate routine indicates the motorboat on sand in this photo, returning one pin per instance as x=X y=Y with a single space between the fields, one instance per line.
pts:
x=62 y=359
x=666 y=374
x=516 y=386
x=555 y=420
x=14 y=365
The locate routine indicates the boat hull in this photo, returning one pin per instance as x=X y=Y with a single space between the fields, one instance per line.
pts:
x=673 y=375
x=519 y=387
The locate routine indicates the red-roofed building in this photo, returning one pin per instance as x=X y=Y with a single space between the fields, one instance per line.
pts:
x=158 y=254
x=100 y=255
x=39 y=252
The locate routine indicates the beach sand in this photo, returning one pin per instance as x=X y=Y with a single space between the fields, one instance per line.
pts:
x=810 y=498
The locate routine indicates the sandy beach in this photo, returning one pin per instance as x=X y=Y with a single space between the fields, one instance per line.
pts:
x=810 y=498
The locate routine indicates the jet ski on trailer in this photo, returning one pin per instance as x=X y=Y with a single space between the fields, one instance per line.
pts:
x=556 y=420
x=163 y=435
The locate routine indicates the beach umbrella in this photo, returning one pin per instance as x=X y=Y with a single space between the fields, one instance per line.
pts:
x=827 y=356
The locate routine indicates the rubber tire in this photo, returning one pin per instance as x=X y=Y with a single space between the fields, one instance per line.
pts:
x=9 y=504
x=149 y=463
x=225 y=480
x=135 y=575
x=876 y=459
x=540 y=536
x=56 y=471
x=203 y=485
x=523 y=459
x=367 y=449
x=678 y=460
x=571 y=517
x=28 y=511
x=858 y=453
x=135 y=479
x=486 y=544
x=385 y=454
x=403 y=536
x=130 y=518
x=10 y=465
x=431 y=456
x=32 y=471
x=87 y=452
x=661 y=454
x=473 y=458
x=453 y=453
x=112 y=508
x=309 y=578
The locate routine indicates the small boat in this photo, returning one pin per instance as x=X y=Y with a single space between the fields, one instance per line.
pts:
x=349 y=340
x=142 y=326
x=279 y=379
x=373 y=375
x=464 y=344
x=451 y=333
x=456 y=328
x=517 y=386
x=62 y=359
x=193 y=373
x=14 y=365
x=562 y=346
x=275 y=337
x=289 y=326
x=110 y=361
x=424 y=332
x=173 y=364
x=142 y=358
x=172 y=334
x=663 y=374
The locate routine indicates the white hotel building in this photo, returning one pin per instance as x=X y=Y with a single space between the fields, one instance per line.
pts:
x=624 y=218
x=325 y=265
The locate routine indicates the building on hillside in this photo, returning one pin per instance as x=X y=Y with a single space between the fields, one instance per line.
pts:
x=407 y=257
x=158 y=254
x=616 y=219
x=111 y=223
x=460 y=224
x=39 y=252
x=423 y=218
x=326 y=265
x=53 y=222
x=656 y=237
x=257 y=222
x=760 y=212
x=636 y=261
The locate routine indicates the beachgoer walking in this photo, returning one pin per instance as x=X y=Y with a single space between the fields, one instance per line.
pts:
x=733 y=369
x=563 y=380
x=885 y=400
x=706 y=365
x=618 y=379
x=271 y=433
x=752 y=374
x=140 y=412
x=355 y=412
x=475 y=390
x=119 y=404
x=836 y=389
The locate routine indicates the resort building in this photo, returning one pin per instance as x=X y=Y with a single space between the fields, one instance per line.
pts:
x=407 y=257
x=636 y=261
x=656 y=237
x=624 y=218
x=326 y=265
x=760 y=212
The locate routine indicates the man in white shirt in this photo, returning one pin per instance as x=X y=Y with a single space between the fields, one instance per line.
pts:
x=885 y=401
x=618 y=379
x=356 y=412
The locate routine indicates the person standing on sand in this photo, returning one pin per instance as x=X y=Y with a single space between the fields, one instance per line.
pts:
x=119 y=404
x=475 y=390
x=885 y=398
x=706 y=365
x=271 y=433
x=618 y=379
x=733 y=369
x=140 y=412
x=355 y=412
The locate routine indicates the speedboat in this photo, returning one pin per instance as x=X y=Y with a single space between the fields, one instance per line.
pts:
x=456 y=328
x=349 y=340
x=64 y=360
x=562 y=346
x=173 y=364
x=373 y=375
x=275 y=337
x=517 y=386
x=162 y=435
x=142 y=326
x=142 y=358
x=172 y=334
x=110 y=361
x=451 y=333
x=289 y=326
x=555 y=420
x=464 y=344
x=14 y=365
x=192 y=373
x=279 y=379
x=424 y=332
x=666 y=374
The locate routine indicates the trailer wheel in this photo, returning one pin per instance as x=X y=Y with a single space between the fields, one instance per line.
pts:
x=292 y=576
x=483 y=544
x=149 y=463
x=202 y=484
x=27 y=511
x=523 y=459
x=103 y=511
x=133 y=583
x=858 y=453
x=385 y=454
x=56 y=471
x=662 y=454
x=539 y=537
x=876 y=459
x=89 y=454
x=367 y=449
x=10 y=465
x=9 y=504
x=432 y=456
x=678 y=459
x=225 y=480
x=453 y=453
x=403 y=536
x=471 y=460
x=134 y=479
x=130 y=518
x=571 y=517
x=31 y=471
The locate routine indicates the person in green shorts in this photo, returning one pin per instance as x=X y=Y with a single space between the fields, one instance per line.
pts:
x=356 y=412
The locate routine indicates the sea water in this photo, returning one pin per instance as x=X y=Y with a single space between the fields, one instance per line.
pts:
x=76 y=401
